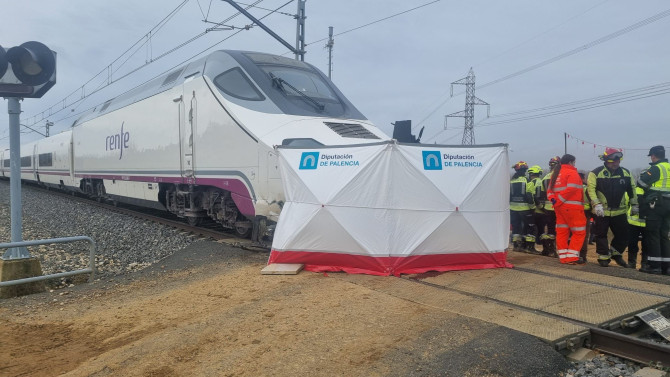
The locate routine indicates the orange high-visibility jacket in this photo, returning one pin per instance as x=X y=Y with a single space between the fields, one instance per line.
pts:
x=568 y=188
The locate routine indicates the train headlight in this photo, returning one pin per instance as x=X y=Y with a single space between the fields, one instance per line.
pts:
x=33 y=70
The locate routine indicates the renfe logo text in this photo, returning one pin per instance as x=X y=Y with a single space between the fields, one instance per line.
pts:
x=118 y=141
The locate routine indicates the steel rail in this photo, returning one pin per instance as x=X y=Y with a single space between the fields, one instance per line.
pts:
x=629 y=347
x=606 y=341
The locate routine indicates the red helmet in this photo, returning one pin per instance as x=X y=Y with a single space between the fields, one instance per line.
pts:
x=521 y=165
x=612 y=154
x=554 y=160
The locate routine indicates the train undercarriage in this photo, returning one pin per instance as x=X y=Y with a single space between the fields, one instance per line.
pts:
x=193 y=203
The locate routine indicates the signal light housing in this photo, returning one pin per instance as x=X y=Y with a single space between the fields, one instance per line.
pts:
x=32 y=73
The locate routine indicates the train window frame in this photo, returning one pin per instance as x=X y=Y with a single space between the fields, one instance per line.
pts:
x=45 y=159
x=250 y=84
x=26 y=161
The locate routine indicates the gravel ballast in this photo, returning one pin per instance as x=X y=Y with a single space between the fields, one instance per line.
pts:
x=123 y=243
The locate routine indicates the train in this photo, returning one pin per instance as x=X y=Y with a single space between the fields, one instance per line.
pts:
x=199 y=140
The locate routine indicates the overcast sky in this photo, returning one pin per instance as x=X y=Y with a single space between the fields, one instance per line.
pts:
x=530 y=58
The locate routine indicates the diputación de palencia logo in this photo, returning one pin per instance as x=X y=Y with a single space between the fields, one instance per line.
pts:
x=435 y=160
x=311 y=160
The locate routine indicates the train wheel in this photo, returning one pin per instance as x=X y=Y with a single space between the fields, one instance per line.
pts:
x=243 y=231
x=194 y=221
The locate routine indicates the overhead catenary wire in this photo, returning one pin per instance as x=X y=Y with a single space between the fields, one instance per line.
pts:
x=110 y=81
x=173 y=67
x=375 y=22
x=435 y=109
x=581 y=48
x=574 y=106
x=564 y=55
x=82 y=88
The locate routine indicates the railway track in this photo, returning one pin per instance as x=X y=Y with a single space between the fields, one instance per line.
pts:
x=485 y=295
x=207 y=229
x=613 y=342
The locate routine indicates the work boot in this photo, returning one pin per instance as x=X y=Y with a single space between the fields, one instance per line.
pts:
x=631 y=264
x=649 y=270
x=603 y=262
x=619 y=260
x=552 y=249
x=546 y=248
x=518 y=246
x=530 y=247
x=581 y=261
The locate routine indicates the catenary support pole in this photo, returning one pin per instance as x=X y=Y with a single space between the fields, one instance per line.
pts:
x=330 y=44
x=565 y=143
x=300 y=31
x=14 y=110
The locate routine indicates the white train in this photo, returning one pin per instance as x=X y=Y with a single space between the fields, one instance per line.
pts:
x=198 y=142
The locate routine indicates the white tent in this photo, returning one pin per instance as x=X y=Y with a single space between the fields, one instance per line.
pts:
x=390 y=208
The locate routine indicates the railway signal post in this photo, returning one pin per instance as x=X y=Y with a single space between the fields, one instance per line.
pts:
x=26 y=71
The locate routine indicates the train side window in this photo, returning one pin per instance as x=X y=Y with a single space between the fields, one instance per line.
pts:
x=235 y=83
x=26 y=161
x=46 y=159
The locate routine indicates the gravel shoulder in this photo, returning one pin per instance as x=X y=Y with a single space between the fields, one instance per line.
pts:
x=208 y=311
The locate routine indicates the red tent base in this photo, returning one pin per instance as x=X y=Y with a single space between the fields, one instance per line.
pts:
x=385 y=266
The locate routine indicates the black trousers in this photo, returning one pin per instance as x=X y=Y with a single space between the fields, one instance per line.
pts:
x=585 y=245
x=634 y=233
x=619 y=226
x=546 y=220
x=521 y=221
x=657 y=233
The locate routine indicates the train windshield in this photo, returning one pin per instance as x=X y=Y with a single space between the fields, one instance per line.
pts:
x=300 y=82
x=271 y=83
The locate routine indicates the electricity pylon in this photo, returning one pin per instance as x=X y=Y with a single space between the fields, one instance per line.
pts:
x=469 y=112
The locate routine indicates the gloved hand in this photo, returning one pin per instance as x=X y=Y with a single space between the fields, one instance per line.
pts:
x=553 y=201
x=598 y=210
x=634 y=210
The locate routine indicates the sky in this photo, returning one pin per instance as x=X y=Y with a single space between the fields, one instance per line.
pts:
x=570 y=74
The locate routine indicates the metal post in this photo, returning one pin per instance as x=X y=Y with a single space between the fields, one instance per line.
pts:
x=14 y=110
x=330 y=51
x=565 y=143
x=300 y=31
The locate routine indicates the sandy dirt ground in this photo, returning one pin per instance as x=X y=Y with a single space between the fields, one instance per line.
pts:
x=209 y=312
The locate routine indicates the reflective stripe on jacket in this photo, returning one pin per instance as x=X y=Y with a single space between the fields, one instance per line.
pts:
x=519 y=196
x=662 y=185
x=636 y=220
x=587 y=202
x=609 y=189
x=543 y=192
x=568 y=188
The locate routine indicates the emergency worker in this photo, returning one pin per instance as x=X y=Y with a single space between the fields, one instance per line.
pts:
x=607 y=186
x=520 y=203
x=548 y=218
x=534 y=183
x=588 y=215
x=656 y=183
x=636 y=225
x=566 y=194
